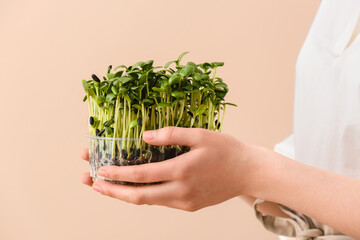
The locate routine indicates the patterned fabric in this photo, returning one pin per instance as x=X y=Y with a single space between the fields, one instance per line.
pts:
x=298 y=225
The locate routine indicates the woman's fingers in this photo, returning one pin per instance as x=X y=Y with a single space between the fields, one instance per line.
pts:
x=84 y=154
x=164 y=194
x=86 y=179
x=146 y=173
x=132 y=194
x=175 y=136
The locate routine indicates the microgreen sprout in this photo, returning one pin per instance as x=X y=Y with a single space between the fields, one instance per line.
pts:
x=132 y=99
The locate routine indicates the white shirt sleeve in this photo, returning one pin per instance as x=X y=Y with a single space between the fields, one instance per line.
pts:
x=286 y=147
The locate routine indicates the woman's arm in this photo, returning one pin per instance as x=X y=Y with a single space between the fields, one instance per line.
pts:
x=219 y=167
x=325 y=196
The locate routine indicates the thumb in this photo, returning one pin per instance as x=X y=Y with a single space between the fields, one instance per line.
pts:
x=175 y=136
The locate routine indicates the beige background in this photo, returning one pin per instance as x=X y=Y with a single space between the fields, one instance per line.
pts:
x=47 y=47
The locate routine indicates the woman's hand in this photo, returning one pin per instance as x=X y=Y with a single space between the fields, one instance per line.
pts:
x=218 y=167
x=214 y=170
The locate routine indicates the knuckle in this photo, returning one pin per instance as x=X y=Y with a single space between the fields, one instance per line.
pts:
x=182 y=173
x=186 y=194
x=106 y=191
x=190 y=206
x=182 y=167
x=169 y=132
x=138 y=198
x=202 y=135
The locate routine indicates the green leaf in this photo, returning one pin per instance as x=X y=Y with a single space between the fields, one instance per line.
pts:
x=158 y=89
x=174 y=79
x=154 y=94
x=161 y=105
x=110 y=97
x=114 y=90
x=206 y=83
x=222 y=86
x=109 y=130
x=92 y=94
x=138 y=64
x=188 y=87
x=157 y=67
x=179 y=67
x=137 y=106
x=133 y=123
x=105 y=88
x=168 y=64
x=96 y=124
x=146 y=100
x=137 y=87
x=205 y=77
x=134 y=75
x=108 y=123
x=85 y=98
x=142 y=78
x=221 y=94
x=133 y=96
x=218 y=80
x=164 y=83
x=148 y=65
x=124 y=79
x=197 y=70
x=123 y=90
x=217 y=64
x=110 y=75
x=202 y=108
x=197 y=76
x=186 y=71
x=205 y=66
x=231 y=104
x=178 y=94
x=100 y=100
x=85 y=85
x=118 y=74
x=191 y=64
x=120 y=66
x=180 y=57
x=170 y=70
x=207 y=89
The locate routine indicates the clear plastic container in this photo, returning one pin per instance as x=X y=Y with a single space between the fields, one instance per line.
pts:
x=104 y=151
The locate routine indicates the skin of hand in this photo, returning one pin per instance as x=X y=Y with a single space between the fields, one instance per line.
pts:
x=213 y=171
x=219 y=167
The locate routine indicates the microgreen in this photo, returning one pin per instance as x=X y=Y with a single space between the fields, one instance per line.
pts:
x=132 y=99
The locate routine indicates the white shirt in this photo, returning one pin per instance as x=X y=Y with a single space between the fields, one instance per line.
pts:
x=327 y=92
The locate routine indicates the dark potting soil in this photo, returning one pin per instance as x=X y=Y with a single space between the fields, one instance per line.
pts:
x=134 y=157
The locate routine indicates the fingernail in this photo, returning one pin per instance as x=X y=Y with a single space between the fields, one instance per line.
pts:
x=102 y=173
x=150 y=135
x=97 y=188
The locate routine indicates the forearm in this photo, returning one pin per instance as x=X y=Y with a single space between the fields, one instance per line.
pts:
x=327 y=197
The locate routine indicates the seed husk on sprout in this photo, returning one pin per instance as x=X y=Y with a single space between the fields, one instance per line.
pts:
x=95 y=78
x=91 y=121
